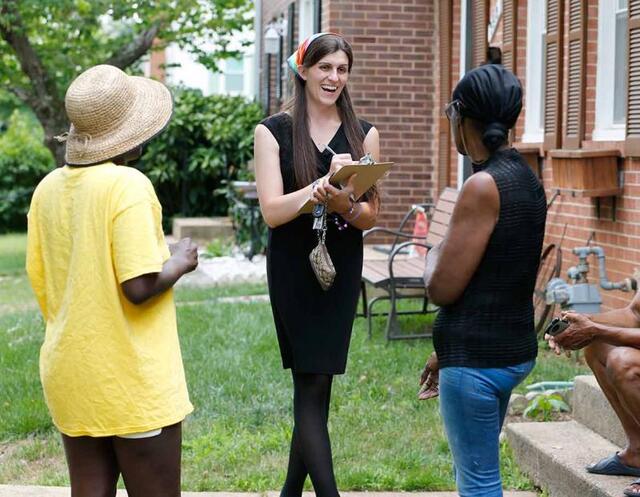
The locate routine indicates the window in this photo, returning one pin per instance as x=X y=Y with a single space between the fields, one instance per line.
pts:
x=534 y=95
x=233 y=76
x=305 y=19
x=611 y=83
x=231 y=80
x=308 y=18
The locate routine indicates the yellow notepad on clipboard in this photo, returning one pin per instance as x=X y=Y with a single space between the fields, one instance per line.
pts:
x=366 y=176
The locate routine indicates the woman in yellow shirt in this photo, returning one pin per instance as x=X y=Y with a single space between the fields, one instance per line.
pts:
x=110 y=364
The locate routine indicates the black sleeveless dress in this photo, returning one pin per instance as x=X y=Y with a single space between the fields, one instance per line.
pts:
x=313 y=326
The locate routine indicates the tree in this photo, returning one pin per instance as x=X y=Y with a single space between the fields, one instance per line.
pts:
x=44 y=44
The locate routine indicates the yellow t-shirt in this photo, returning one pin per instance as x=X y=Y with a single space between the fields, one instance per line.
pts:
x=108 y=367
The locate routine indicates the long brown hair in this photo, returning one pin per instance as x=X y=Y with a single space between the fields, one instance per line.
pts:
x=304 y=150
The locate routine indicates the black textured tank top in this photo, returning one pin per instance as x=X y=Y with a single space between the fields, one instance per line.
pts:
x=491 y=324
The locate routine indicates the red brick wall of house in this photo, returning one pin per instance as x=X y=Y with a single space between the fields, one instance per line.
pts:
x=620 y=239
x=521 y=62
x=393 y=85
x=455 y=76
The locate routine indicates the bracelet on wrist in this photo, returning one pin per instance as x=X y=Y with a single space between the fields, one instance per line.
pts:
x=350 y=210
x=353 y=218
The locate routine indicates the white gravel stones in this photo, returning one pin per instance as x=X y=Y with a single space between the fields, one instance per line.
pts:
x=227 y=270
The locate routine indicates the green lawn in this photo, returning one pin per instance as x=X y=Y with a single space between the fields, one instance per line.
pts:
x=238 y=437
x=12 y=254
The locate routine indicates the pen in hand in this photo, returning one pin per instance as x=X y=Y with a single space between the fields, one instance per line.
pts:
x=327 y=147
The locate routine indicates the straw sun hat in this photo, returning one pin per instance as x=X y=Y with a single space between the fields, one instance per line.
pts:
x=112 y=113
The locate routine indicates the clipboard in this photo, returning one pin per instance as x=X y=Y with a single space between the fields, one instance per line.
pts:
x=367 y=175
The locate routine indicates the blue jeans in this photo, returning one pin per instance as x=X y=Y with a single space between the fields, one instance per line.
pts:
x=473 y=404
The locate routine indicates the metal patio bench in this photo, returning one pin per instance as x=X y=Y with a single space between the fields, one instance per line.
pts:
x=402 y=277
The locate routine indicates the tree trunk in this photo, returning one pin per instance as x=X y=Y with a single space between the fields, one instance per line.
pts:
x=53 y=123
x=57 y=149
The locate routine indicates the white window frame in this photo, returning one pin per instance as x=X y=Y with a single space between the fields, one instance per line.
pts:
x=305 y=19
x=238 y=72
x=536 y=30
x=605 y=129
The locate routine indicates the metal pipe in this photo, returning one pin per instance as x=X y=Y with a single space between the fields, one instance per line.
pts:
x=625 y=285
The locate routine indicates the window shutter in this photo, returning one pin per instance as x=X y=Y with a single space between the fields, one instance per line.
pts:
x=317 y=16
x=509 y=36
x=291 y=29
x=444 y=132
x=632 y=143
x=574 y=118
x=480 y=23
x=553 y=74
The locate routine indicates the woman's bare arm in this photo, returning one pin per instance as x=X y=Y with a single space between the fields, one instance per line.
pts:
x=276 y=207
x=451 y=265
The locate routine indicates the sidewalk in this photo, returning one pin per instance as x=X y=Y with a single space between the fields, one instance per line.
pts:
x=32 y=491
x=236 y=269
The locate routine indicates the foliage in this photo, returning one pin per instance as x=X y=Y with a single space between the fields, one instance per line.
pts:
x=220 y=247
x=45 y=45
x=24 y=161
x=543 y=406
x=69 y=36
x=8 y=103
x=207 y=144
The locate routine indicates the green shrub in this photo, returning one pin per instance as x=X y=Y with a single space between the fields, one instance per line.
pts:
x=207 y=144
x=220 y=247
x=24 y=161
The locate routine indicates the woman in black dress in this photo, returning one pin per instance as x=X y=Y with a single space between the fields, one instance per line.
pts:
x=294 y=158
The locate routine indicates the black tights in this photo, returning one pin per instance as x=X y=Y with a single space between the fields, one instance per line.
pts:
x=310 y=452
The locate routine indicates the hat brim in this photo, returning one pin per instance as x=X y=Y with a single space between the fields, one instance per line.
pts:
x=147 y=116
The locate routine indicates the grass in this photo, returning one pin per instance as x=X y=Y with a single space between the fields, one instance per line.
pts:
x=12 y=254
x=238 y=436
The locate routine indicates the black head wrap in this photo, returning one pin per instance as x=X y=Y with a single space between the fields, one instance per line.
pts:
x=492 y=95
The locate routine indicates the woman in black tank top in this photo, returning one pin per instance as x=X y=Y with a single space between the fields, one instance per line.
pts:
x=294 y=155
x=482 y=276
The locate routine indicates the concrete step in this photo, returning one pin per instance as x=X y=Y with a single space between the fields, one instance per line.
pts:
x=554 y=456
x=202 y=229
x=591 y=408
x=35 y=491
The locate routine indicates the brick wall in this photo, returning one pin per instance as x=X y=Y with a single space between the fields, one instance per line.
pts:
x=393 y=85
x=521 y=62
x=619 y=238
x=272 y=10
x=455 y=77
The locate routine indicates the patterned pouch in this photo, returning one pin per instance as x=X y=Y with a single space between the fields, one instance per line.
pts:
x=321 y=262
